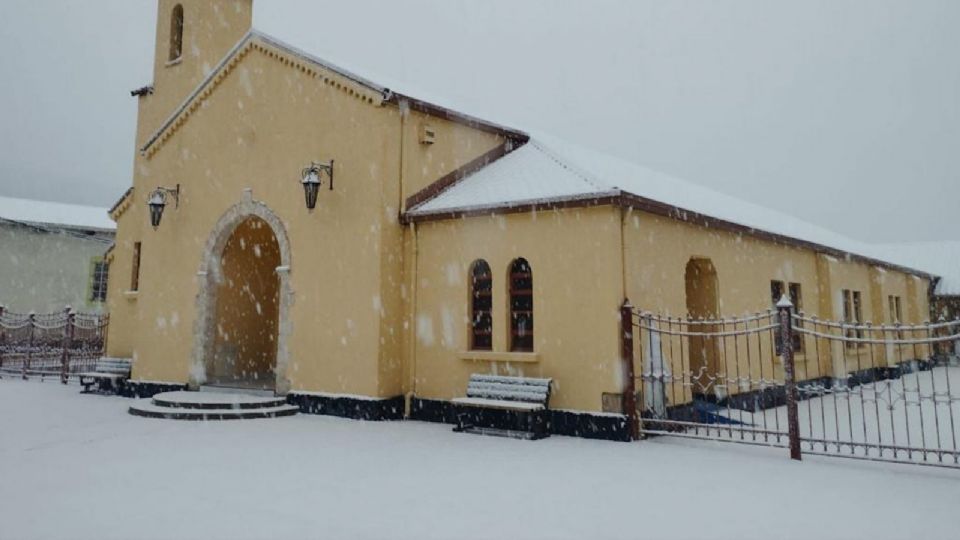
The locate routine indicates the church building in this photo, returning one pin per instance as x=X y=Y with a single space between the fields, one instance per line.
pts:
x=298 y=228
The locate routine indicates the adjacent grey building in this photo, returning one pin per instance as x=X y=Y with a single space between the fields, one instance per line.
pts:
x=53 y=255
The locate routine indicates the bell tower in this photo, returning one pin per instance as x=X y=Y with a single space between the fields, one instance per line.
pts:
x=192 y=37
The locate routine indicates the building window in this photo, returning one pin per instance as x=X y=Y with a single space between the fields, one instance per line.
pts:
x=481 y=301
x=521 y=306
x=176 y=33
x=896 y=313
x=99 y=272
x=853 y=314
x=796 y=298
x=135 y=272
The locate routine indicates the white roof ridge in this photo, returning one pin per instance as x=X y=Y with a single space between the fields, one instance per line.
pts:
x=586 y=177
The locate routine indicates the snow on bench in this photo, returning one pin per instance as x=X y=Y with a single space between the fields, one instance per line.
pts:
x=107 y=373
x=529 y=397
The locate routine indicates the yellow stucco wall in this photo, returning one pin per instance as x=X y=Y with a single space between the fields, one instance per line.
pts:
x=425 y=163
x=574 y=255
x=347 y=256
x=210 y=30
x=230 y=144
x=657 y=250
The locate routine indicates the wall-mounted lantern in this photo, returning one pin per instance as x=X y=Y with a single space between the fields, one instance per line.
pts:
x=312 y=179
x=158 y=201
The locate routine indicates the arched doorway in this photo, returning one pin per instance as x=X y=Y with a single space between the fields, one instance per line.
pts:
x=243 y=302
x=247 y=306
x=702 y=304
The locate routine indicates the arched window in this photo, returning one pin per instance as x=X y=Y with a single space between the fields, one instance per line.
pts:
x=521 y=306
x=176 y=32
x=481 y=302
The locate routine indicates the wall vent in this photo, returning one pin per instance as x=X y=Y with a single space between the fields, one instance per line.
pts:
x=428 y=134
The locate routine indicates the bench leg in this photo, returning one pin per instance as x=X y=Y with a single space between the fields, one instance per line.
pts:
x=461 y=425
x=539 y=425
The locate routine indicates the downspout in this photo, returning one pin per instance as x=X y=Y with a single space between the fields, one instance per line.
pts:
x=412 y=351
x=404 y=110
x=412 y=330
x=625 y=333
x=624 y=215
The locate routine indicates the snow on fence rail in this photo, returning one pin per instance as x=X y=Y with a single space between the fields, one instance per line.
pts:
x=62 y=344
x=778 y=378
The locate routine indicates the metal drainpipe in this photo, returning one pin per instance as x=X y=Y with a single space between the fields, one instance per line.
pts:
x=412 y=352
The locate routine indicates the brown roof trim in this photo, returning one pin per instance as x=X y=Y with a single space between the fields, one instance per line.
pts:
x=455 y=116
x=120 y=201
x=556 y=204
x=451 y=178
x=629 y=200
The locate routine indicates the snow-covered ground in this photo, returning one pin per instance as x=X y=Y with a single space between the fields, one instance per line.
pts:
x=79 y=466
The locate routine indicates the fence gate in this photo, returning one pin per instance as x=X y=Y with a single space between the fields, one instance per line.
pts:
x=778 y=378
x=59 y=344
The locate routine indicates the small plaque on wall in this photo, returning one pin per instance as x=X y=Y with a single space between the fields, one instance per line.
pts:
x=612 y=403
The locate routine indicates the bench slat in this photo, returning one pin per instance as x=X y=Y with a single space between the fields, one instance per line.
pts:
x=506 y=390
x=113 y=366
x=499 y=404
x=509 y=391
x=99 y=375
x=509 y=396
x=511 y=380
x=481 y=385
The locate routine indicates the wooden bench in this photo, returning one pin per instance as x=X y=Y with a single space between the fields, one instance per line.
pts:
x=108 y=374
x=506 y=406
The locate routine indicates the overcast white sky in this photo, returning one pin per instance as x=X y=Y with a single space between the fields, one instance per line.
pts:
x=843 y=112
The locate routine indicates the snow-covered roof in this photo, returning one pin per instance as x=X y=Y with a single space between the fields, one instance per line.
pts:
x=548 y=169
x=530 y=174
x=54 y=213
x=938 y=258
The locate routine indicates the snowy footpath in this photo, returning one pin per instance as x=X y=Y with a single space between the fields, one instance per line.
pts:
x=79 y=466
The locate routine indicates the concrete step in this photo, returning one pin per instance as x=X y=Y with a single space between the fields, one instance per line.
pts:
x=203 y=400
x=226 y=389
x=211 y=406
x=150 y=410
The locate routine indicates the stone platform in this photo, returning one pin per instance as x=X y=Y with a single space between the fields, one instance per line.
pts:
x=212 y=406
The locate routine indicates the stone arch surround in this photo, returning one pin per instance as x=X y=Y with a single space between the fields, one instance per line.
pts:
x=210 y=275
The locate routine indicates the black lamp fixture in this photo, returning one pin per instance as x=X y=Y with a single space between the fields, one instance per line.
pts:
x=312 y=179
x=158 y=201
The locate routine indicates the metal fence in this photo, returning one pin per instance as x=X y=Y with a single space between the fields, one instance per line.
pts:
x=58 y=344
x=778 y=378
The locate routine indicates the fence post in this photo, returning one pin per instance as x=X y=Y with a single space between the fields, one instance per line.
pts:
x=629 y=387
x=785 y=310
x=103 y=326
x=67 y=343
x=26 y=361
x=3 y=339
